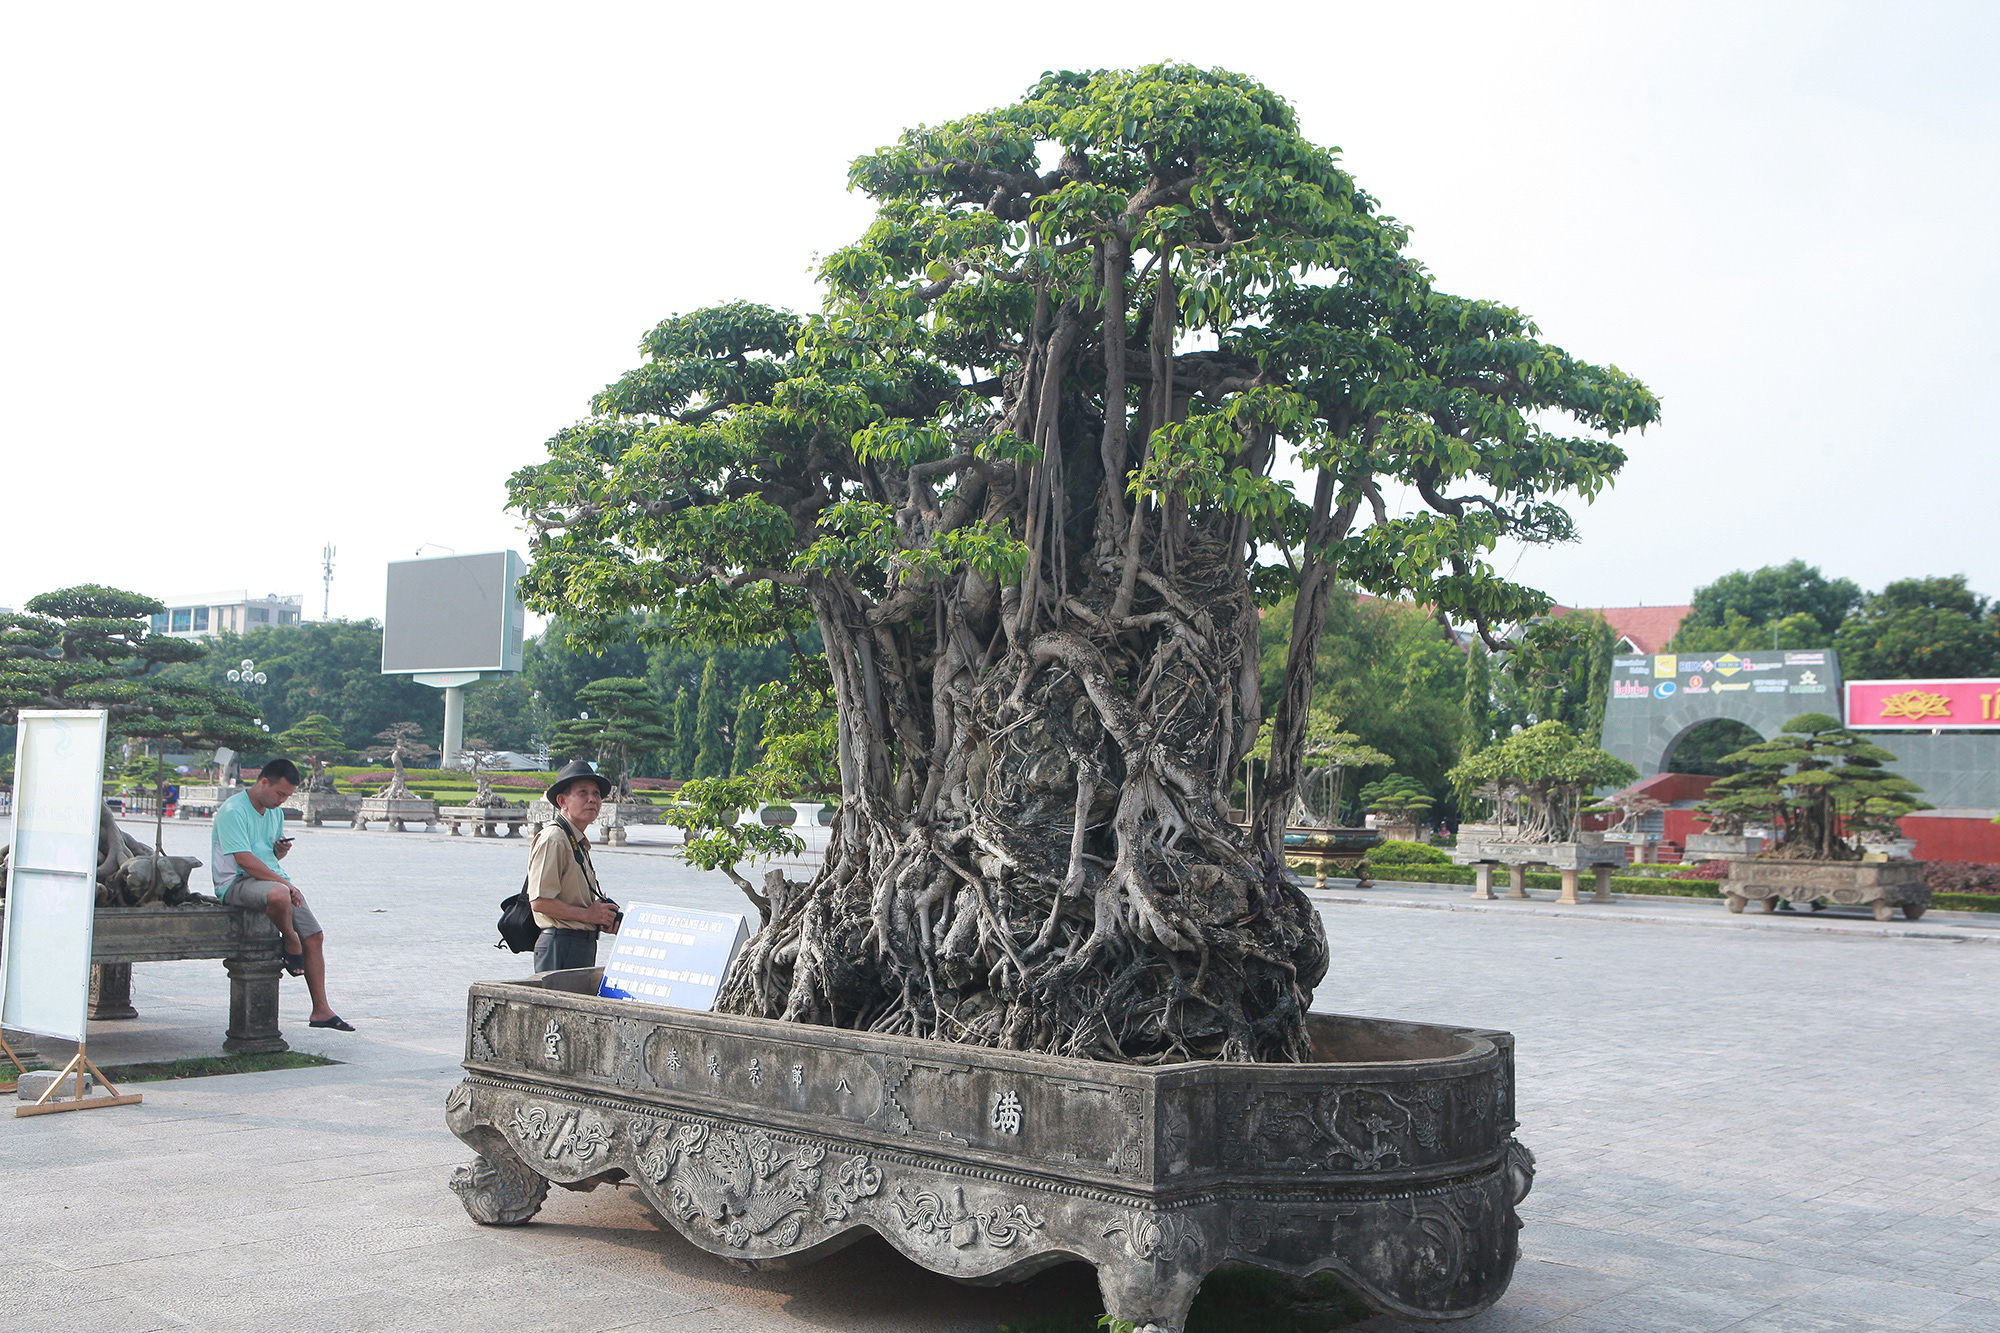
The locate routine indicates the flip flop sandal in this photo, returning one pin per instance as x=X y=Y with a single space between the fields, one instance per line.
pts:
x=337 y=1023
x=295 y=963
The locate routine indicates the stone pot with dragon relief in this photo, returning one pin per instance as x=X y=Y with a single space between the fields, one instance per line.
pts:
x=1389 y=1160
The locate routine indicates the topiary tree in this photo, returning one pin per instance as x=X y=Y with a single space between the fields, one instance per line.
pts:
x=1539 y=779
x=315 y=739
x=743 y=734
x=1018 y=471
x=711 y=759
x=1821 y=784
x=1396 y=799
x=622 y=719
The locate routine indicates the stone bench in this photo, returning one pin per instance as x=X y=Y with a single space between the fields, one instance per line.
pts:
x=485 y=821
x=246 y=942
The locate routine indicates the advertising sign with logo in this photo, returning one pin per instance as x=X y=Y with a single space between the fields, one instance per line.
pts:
x=1664 y=665
x=1808 y=682
x=1923 y=705
x=1630 y=689
x=1664 y=690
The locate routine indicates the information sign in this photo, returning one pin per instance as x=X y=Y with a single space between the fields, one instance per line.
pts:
x=672 y=955
x=52 y=872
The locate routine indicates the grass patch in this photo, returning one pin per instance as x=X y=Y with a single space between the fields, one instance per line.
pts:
x=1240 y=1299
x=208 y=1066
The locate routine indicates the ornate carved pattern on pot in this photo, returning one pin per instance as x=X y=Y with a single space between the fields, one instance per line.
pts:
x=737 y=1184
x=1361 y=1128
x=859 y=1179
x=928 y=1214
x=1153 y=1236
x=564 y=1132
x=482 y=1038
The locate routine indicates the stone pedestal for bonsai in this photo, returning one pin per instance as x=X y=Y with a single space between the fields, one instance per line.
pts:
x=316 y=807
x=611 y=821
x=487 y=821
x=1391 y=1160
x=1881 y=885
x=1484 y=851
x=1719 y=846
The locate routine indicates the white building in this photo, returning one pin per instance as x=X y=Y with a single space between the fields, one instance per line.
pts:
x=206 y=615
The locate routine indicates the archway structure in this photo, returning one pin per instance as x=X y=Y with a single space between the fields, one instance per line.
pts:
x=1657 y=700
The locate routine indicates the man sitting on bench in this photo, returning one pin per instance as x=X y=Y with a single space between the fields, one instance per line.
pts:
x=249 y=840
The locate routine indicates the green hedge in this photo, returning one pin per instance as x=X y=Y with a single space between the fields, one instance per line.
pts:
x=1637 y=884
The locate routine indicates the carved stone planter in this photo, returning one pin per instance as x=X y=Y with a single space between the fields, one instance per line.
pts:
x=316 y=807
x=396 y=811
x=1479 y=847
x=1881 y=885
x=611 y=821
x=1391 y=1162
x=1719 y=846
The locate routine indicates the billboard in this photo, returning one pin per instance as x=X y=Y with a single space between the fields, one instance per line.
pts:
x=454 y=613
x=1718 y=676
x=1924 y=705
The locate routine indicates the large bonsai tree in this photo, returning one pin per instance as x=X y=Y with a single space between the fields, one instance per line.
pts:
x=621 y=718
x=1824 y=786
x=1019 y=471
x=315 y=739
x=1539 y=780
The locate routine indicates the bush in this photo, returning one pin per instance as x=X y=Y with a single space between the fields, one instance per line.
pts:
x=1398 y=853
x=1962 y=876
x=1711 y=870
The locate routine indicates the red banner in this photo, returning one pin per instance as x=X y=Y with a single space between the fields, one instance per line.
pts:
x=1923 y=705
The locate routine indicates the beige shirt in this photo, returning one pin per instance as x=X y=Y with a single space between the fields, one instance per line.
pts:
x=555 y=872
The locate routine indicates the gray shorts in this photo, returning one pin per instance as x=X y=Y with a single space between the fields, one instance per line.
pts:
x=249 y=895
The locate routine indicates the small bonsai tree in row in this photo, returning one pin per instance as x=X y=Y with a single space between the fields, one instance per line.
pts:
x=315 y=739
x=1397 y=801
x=1822 y=785
x=1538 y=781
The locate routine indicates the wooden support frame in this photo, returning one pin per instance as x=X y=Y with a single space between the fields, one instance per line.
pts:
x=78 y=1064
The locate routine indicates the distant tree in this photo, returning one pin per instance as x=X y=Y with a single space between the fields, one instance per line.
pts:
x=1539 y=780
x=1822 y=785
x=1396 y=799
x=620 y=720
x=1478 y=732
x=686 y=738
x=1921 y=627
x=503 y=712
x=1559 y=670
x=711 y=758
x=400 y=742
x=315 y=739
x=1757 y=598
x=93 y=647
x=743 y=734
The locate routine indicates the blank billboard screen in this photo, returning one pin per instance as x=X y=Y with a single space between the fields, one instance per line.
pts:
x=454 y=613
x=52 y=873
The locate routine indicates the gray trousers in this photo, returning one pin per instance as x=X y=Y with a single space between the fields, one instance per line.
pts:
x=559 y=949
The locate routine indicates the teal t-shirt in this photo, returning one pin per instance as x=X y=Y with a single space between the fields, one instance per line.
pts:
x=239 y=827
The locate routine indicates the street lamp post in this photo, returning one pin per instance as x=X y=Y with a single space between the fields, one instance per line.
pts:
x=245 y=676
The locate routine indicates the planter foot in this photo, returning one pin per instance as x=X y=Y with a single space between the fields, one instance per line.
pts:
x=497 y=1189
x=1736 y=903
x=1154 y=1298
x=1911 y=911
x=1884 y=911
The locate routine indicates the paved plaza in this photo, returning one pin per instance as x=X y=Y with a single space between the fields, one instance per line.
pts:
x=1743 y=1123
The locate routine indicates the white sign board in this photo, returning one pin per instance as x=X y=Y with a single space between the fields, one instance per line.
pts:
x=672 y=955
x=52 y=873
x=456 y=613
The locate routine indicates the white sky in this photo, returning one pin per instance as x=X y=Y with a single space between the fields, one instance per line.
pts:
x=273 y=276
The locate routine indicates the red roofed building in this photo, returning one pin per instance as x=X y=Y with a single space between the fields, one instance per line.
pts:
x=1640 y=629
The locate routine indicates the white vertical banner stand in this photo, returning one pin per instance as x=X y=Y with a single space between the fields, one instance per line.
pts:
x=52 y=892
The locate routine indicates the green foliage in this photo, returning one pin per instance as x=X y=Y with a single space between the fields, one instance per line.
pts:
x=744 y=732
x=1390 y=673
x=1821 y=784
x=1706 y=748
x=92 y=647
x=713 y=744
x=619 y=718
x=1748 y=604
x=1539 y=779
x=399 y=743
x=1398 y=797
x=1559 y=670
x=1398 y=853
x=1921 y=627
x=683 y=736
x=315 y=739
x=1478 y=729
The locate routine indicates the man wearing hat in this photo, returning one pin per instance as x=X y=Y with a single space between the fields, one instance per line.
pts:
x=562 y=884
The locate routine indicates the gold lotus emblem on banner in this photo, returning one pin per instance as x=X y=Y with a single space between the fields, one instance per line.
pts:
x=1915 y=704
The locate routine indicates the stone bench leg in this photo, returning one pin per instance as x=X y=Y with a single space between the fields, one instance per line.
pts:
x=253 y=1005
x=1482 y=881
x=1517 y=881
x=1570 y=875
x=111 y=991
x=1603 y=874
